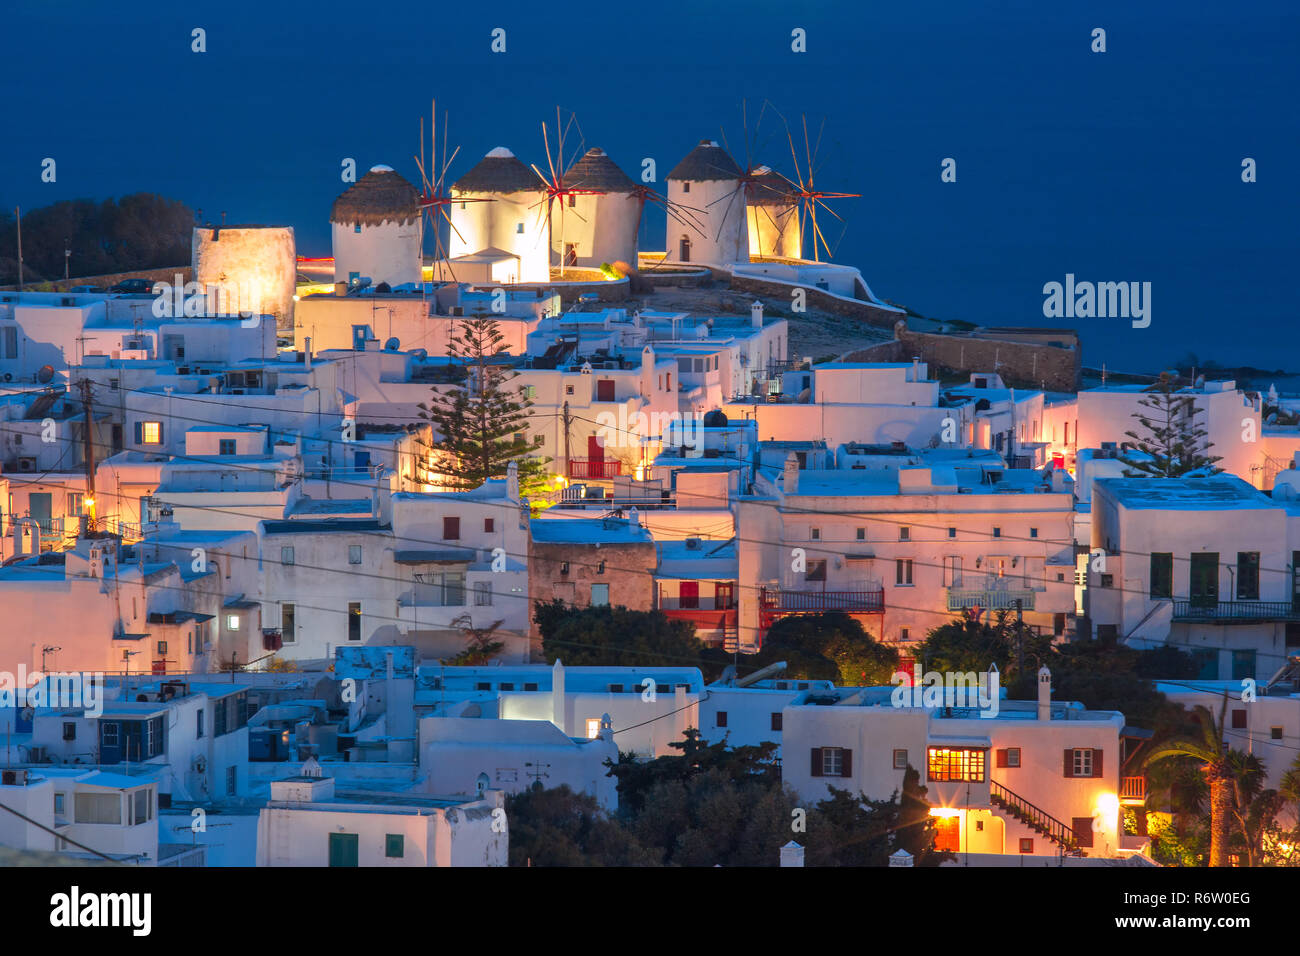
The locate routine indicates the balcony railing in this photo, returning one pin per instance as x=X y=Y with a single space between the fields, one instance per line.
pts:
x=1133 y=790
x=853 y=602
x=1236 y=611
x=595 y=469
x=990 y=599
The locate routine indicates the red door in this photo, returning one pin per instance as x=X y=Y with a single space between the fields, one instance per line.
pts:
x=595 y=448
x=604 y=390
x=724 y=596
x=689 y=595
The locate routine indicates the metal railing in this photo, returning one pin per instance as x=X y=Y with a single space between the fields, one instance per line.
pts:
x=990 y=599
x=855 y=602
x=595 y=468
x=1039 y=819
x=1236 y=610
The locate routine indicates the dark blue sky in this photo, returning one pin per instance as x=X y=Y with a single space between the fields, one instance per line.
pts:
x=1122 y=166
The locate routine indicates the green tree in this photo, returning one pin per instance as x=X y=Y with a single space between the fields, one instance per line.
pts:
x=557 y=827
x=1207 y=748
x=829 y=646
x=1170 y=435
x=618 y=636
x=480 y=642
x=480 y=424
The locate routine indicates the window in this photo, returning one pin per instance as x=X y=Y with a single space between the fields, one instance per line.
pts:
x=564 y=567
x=862 y=534
x=1010 y=757
x=903 y=572
x=288 y=623
x=952 y=532
x=900 y=759
x=286 y=555
x=600 y=568
x=815 y=534
x=997 y=532
x=482 y=594
x=530 y=686
x=568 y=390
x=832 y=762
x=505 y=685
x=162 y=647
x=615 y=688
x=11 y=341
x=343 y=849
x=720 y=719
x=483 y=685
x=1275 y=733
x=148 y=433
x=1026 y=845
x=1108 y=580
x=686 y=187
x=356 y=228
x=97 y=808
x=1033 y=532
x=776 y=722
x=600 y=595
x=519 y=228
x=1083 y=762
x=593 y=728
x=450 y=528
x=198 y=722
x=1247 y=575
x=226 y=446
x=69 y=730
x=489 y=525
x=904 y=533
x=354 y=621
x=232 y=781
x=232 y=622
x=960 y=764
x=1162 y=574
x=354 y=554
x=393 y=846
x=904 y=634
x=1243 y=664
x=60 y=804
x=141 y=806
x=530 y=391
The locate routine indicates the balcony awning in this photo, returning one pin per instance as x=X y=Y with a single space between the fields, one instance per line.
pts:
x=860 y=556
x=442 y=556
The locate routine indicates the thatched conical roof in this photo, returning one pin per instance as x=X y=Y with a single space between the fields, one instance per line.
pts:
x=771 y=189
x=379 y=196
x=500 y=171
x=706 y=162
x=595 y=170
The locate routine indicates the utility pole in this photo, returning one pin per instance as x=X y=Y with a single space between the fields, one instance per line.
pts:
x=18 y=218
x=567 y=466
x=1020 y=637
x=67 y=254
x=88 y=441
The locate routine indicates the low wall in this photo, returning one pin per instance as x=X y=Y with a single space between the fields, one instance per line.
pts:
x=166 y=274
x=607 y=290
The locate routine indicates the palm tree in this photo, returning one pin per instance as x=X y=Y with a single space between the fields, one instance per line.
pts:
x=1215 y=758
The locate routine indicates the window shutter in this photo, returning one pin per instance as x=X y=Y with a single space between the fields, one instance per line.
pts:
x=817 y=761
x=162 y=440
x=1069 y=762
x=139 y=433
x=1096 y=763
x=846 y=763
x=1001 y=758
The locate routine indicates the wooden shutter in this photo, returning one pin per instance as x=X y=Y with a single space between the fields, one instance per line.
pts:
x=1096 y=762
x=816 y=761
x=139 y=433
x=1239 y=718
x=1069 y=762
x=1001 y=756
x=1082 y=827
x=450 y=528
x=846 y=763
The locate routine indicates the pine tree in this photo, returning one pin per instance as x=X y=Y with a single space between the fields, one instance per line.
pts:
x=1171 y=436
x=480 y=424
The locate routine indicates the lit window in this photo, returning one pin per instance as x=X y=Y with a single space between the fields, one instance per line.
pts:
x=960 y=764
x=232 y=622
x=151 y=433
x=593 y=728
x=1083 y=762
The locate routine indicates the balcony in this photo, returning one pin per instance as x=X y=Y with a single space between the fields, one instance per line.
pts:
x=772 y=602
x=1236 y=611
x=990 y=599
x=706 y=619
x=1133 y=791
x=594 y=469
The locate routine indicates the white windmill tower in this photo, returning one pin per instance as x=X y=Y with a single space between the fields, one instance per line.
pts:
x=377 y=230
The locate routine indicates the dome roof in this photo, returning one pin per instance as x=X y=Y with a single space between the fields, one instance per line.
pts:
x=707 y=161
x=500 y=171
x=379 y=196
x=770 y=188
x=595 y=170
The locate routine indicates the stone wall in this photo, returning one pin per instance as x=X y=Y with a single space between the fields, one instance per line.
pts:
x=167 y=274
x=868 y=312
x=629 y=572
x=1022 y=364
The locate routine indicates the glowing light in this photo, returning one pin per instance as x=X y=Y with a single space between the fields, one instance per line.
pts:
x=1108 y=804
x=944 y=812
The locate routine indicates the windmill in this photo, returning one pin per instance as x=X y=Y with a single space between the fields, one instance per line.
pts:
x=806 y=194
x=435 y=200
x=688 y=217
x=750 y=181
x=554 y=186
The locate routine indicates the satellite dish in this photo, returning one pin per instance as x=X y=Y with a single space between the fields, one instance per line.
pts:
x=45 y=373
x=392 y=344
x=9 y=376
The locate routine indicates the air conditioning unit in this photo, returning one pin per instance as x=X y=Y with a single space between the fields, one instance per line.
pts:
x=13 y=778
x=27 y=464
x=458 y=310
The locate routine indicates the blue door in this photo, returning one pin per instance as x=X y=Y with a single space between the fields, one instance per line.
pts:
x=40 y=506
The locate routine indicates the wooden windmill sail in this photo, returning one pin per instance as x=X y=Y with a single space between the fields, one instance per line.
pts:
x=805 y=192
x=553 y=185
x=435 y=200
